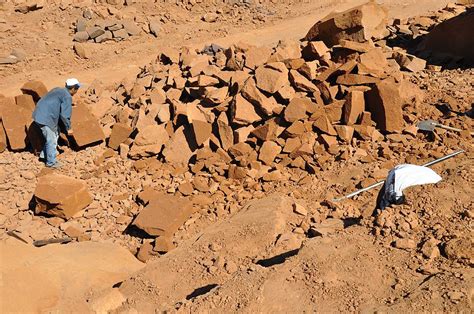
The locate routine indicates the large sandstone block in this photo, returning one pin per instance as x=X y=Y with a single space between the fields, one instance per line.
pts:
x=149 y=141
x=3 y=138
x=26 y=101
x=181 y=146
x=120 y=132
x=452 y=37
x=359 y=24
x=354 y=105
x=272 y=77
x=34 y=88
x=164 y=215
x=86 y=127
x=296 y=109
x=268 y=152
x=226 y=135
x=385 y=103
x=244 y=111
x=15 y=122
x=61 y=196
x=265 y=104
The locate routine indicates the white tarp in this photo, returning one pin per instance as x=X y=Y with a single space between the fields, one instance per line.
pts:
x=404 y=176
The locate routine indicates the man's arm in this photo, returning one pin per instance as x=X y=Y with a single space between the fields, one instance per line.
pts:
x=66 y=111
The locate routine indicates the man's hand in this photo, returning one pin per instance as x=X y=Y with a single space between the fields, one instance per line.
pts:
x=70 y=132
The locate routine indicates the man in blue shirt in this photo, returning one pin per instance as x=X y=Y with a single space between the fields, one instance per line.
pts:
x=50 y=109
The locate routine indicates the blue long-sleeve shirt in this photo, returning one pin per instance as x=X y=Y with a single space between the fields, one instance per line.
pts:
x=55 y=105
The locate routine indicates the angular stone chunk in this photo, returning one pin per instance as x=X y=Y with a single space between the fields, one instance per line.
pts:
x=15 y=121
x=120 y=132
x=164 y=215
x=180 y=148
x=34 y=88
x=270 y=79
x=26 y=101
x=353 y=107
x=3 y=138
x=385 y=103
x=244 y=111
x=345 y=132
x=268 y=152
x=324 y=125
x=61 y=196
x=85 y=126
x=296 y=109
x=359 y=24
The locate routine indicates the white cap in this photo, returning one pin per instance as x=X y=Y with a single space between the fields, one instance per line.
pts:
x=73 y=82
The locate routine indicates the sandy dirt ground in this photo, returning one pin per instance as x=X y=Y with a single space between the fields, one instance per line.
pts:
x=51 y=58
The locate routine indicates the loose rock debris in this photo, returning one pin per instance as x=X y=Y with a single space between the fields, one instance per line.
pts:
x=196 y=135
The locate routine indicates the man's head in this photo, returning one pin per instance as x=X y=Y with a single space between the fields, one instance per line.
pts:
x=72 y=85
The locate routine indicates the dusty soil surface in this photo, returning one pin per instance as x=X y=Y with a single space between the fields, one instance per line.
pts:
x=46 y=35
x=244 y=250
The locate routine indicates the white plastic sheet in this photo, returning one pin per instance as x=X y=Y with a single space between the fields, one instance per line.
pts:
x=404 y=176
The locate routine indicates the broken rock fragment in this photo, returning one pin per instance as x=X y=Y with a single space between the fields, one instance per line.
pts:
x=3 y=138
x=34 y=88
x=272 y=79
x=244 y=111
x=353 y=107
x=180 y=148
x=296 y=109
x=120 y=132
x=385 y=103
x=164 y=215
x=86 y=127
x=268 y=152
x=61 y=196
x=359 y=24
x=15 y=121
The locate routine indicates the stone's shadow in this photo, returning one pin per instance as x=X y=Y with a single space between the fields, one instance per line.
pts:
x=278 y=259
x=201 y=291
x=134 y=231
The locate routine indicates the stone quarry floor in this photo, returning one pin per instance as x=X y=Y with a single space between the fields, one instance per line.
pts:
x=226 y=255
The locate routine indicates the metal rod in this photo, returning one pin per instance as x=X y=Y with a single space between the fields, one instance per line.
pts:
x=433 y=162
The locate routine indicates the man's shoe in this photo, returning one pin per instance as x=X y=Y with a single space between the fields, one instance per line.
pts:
x=56 y=165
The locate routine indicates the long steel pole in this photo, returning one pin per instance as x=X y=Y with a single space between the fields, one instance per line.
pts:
x=383 y=181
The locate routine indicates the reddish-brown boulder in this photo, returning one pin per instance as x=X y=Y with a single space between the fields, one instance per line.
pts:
x=344 y=132
x=25 y=101
x=268 y=152
x=296 y=109
x=120 y=132
x=226 y=135
x=179 y=149
x=257 y=56
x=61 y=196
x=164 y=215
x=3 y=138
x=301 y=83
x=272 y=77
x=385 y=103
x=361 y=23
x=86 y=127
x=34 y=88
x=324 y=125
x=244 y=111
x=353 y=107
x=262 y=102
x=15 y=120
